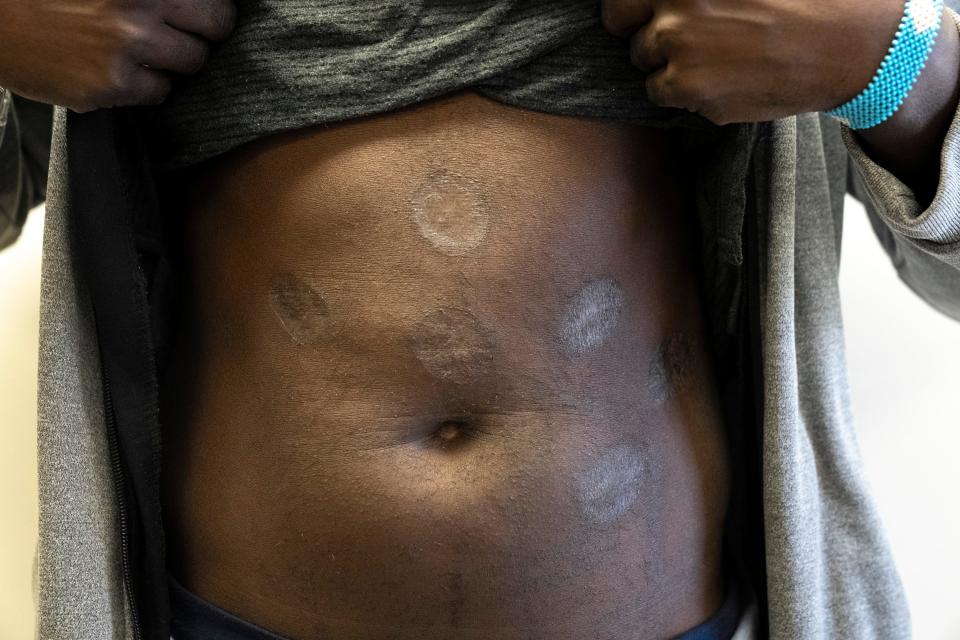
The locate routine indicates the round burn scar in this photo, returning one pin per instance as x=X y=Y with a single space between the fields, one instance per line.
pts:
x=451 y=212
x=670 y=369
x=302 y=311
x=591 y=316
x=613 y=484
x=453 y=345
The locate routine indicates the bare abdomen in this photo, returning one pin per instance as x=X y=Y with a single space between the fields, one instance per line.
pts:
x=442 y=374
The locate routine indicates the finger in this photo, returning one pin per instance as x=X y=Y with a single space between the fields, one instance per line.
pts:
x=211 y=19
x=147 y=86
x=664 y=88
x=170 y=50
x=646 y=53
x=623 y=17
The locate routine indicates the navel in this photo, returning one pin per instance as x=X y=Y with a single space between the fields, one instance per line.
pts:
x=452 y=434
x=449 y=431
x=302 y=311
x=451 y=213
x=591 y=316
x=453 y=345
x=613 y=484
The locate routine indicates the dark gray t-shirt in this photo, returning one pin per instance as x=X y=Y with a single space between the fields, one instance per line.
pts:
x=294 y=63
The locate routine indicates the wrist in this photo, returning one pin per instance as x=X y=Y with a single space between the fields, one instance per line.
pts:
x=904 y=61
x=909 y=144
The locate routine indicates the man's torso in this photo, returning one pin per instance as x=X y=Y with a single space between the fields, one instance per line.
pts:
x=443 y=374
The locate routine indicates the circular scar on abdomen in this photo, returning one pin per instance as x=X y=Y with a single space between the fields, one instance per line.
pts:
x=453 y=345
x=671 y=368
x=612 y=485
x=451 y=213
x=302 y=311
x=591 y=317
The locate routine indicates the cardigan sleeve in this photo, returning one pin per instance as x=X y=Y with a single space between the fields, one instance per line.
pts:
x=25 y=133
x=923 y=243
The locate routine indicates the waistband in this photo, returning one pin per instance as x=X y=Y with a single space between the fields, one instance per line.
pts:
x=196 y=619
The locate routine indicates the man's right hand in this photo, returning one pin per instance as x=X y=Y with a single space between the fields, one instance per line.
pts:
x=91 y=54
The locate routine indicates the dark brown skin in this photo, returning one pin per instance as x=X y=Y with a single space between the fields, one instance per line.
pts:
x=386 y=419
x=758 y=60
x=90 y=54
x=909 y=144
x=375 y=436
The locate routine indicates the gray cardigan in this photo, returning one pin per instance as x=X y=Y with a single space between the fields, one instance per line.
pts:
x=829 y=573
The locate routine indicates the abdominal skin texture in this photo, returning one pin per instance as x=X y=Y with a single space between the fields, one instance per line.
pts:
x=451 y=213
x=442 y=374
x=453 y=345
x=592 y=316
x=613 y=484
x=301 y=310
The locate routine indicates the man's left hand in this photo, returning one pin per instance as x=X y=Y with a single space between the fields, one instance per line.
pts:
x=755 y=60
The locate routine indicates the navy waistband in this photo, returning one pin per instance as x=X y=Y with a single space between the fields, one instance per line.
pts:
x=197 y=619
x=723 y=624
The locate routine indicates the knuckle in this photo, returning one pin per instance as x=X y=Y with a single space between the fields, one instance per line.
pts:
x=116 y=87
x=197 y=59
x=692 y=96
x=680 y=88
x=226 y=19
x=158 y=93
x=653 y=92
x=642 y=52
x=116 y=81
x=152 y=88
x=667 y=90
x=659 y=89
x=129 y=35
x=668 y=37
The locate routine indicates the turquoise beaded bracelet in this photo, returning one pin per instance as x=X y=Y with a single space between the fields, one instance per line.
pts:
x=900 y=69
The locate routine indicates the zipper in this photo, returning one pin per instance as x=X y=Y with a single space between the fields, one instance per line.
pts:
x=120 y=486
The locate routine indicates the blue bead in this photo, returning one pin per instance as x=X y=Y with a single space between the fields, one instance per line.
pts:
x=889 y=88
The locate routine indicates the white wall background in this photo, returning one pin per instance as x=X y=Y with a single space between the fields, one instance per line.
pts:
x=19 y=332
x=904 y=360
x=905 y=380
